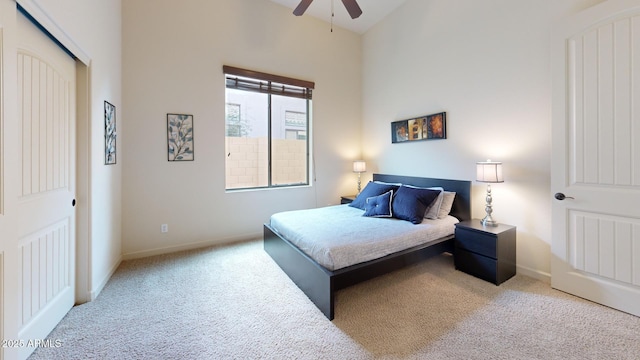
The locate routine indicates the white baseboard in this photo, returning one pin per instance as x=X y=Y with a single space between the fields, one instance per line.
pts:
x=93 y=294
x=536 y=274
x=189 y=246
x=96 y=290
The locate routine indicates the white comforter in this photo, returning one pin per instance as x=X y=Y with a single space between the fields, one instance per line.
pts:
x=339 y=236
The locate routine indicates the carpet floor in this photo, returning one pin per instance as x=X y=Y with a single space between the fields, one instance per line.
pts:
x=234 y=302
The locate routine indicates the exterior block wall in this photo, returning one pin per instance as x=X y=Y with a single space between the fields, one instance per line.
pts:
x=246 y=163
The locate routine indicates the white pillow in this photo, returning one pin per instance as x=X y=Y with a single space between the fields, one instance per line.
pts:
x=447 y=203
x=434 y=209
x=387 y=183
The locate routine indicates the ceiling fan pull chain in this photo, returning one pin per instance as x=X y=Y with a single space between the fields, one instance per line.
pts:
x=332 y=14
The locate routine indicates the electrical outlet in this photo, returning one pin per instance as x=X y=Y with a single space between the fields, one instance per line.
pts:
x=164 y=228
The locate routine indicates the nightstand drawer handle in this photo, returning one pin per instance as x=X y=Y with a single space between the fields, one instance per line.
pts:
x=561 y=196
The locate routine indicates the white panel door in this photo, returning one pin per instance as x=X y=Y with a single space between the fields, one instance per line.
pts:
x=596 y=156
x=46 y=110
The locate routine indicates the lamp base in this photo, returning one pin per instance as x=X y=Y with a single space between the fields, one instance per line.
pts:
x=488 y=221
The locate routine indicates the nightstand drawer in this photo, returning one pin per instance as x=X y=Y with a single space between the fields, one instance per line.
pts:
x=479 y=266
x=476 y=241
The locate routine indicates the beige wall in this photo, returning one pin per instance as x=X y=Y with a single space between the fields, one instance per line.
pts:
x=173 y=54
x=487 y=64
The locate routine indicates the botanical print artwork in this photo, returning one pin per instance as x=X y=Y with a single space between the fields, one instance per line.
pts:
x=180 y=137
x=109 y=133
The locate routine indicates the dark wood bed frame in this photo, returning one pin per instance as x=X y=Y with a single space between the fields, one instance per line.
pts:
x=320 y=284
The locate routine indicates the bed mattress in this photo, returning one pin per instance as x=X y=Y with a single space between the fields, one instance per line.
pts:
x=339 y=236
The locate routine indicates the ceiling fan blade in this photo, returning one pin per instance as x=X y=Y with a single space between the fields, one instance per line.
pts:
x=352 y=8
x=302 y=7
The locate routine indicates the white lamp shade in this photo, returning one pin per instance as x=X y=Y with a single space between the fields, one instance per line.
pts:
x=359 y=166
x=489 y=171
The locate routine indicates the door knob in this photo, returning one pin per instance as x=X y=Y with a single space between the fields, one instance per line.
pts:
x=73 y=202
x=561 y=196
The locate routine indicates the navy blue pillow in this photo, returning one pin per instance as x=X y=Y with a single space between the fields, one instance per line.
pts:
x=372 y=189
x=412 y=203
x=379 y=206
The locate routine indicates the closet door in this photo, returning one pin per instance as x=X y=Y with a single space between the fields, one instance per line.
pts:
x=46 y=112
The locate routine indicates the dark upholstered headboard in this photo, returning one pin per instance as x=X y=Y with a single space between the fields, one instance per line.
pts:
x=461 y=208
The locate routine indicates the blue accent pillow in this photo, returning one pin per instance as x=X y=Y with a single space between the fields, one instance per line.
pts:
x=411 y=203
x=379 y=206
x=370 y=190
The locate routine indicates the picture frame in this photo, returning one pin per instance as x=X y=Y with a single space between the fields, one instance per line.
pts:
x=427 y=127
x=180 y=137
x=110 y=133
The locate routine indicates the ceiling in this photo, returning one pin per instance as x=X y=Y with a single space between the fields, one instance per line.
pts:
x=372 y=12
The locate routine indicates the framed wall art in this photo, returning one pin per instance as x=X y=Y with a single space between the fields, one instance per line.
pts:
x=109 y=133
x=180 y=137
x=426 y=127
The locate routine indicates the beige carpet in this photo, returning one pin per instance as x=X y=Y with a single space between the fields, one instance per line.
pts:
x=233 y=302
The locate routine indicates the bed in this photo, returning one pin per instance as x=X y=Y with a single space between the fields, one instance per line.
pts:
x=320 y=281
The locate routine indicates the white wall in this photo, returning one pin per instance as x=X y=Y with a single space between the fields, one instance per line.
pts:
x=487 y=64
x=173 y=52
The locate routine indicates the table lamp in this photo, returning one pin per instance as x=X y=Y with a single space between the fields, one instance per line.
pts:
x=359 y=166
x=489 y=172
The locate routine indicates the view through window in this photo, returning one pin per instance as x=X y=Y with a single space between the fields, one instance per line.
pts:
x=267 y=123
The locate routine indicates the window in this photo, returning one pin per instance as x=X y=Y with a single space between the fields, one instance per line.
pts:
x=267 y=123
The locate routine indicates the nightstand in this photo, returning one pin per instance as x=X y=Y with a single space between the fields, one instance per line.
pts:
x=348 y=199
x=486 y=252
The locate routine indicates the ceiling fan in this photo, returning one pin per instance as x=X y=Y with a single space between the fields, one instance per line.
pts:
x=352 y=8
